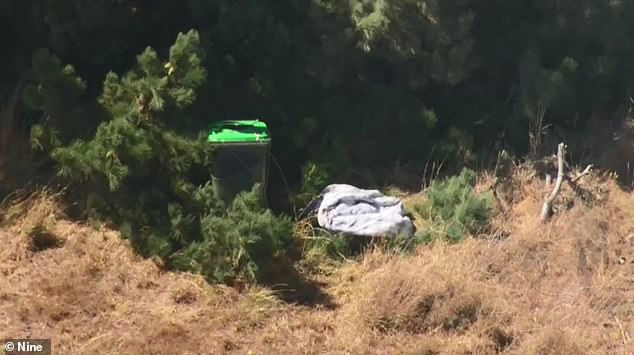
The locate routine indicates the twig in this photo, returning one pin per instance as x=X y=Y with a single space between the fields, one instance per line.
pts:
x=424 y=183
x=585 y=172
x=440 y=165
x=497 y=164
x=560 y=176
x=501 y=200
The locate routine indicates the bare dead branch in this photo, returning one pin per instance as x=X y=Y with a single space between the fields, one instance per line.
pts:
x=585 y=172
x=560 y=176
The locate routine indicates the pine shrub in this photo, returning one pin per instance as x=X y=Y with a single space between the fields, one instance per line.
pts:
x=237 y=242
x=453 y=210
x=141 y=173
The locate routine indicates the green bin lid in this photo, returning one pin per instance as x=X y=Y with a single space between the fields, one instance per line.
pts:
x=240 y=131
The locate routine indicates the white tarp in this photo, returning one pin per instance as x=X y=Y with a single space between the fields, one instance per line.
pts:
x=348 y=209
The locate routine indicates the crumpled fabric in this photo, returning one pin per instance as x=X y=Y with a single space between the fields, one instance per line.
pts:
x=348 y=209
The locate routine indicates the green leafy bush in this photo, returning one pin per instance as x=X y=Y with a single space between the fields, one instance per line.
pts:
x=453 y=210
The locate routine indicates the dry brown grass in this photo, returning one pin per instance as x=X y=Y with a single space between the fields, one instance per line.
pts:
x=560 y=288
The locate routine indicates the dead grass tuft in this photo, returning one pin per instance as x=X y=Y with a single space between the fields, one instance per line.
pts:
x=32 y=221
x=554 y=341
x=415 y=296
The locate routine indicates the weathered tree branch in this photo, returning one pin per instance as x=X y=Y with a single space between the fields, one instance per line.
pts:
x=585 y=172
x=546 y=208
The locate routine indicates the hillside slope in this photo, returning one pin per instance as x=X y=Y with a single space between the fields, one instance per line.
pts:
x=560 y=288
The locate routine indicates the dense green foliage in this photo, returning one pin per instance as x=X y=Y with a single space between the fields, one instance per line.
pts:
x=364 y=92
x=237 y=243
x=452 y=210
x=140 y=172
x=353 y=85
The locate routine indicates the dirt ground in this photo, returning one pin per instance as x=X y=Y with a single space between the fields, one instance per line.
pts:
x=564 y=287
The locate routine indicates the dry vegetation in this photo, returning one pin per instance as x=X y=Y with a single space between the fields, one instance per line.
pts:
x=564 y=287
